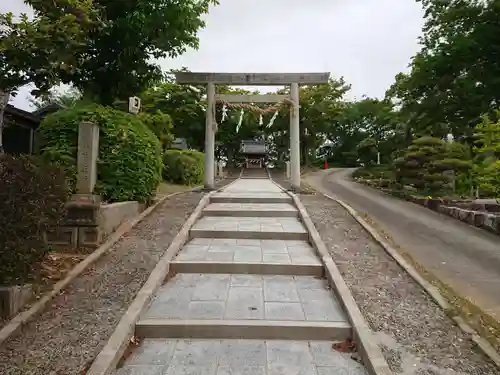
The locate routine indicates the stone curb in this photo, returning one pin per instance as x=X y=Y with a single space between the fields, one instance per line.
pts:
x=370 y=352
x=22 y=318
x=434 y=292
x=107 y=359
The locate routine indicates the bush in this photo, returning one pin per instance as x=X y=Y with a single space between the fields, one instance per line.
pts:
x=489 y=180
x=160 y=124
x=198 y=156
x=130 y=157
x=32 y=198
x=379 y=171
x=183 y=167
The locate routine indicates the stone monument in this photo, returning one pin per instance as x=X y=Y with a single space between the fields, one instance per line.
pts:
x=81 y=225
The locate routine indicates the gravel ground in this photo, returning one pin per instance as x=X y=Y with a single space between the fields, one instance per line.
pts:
x=279 y=177
x=66 y=337
x=416 y=336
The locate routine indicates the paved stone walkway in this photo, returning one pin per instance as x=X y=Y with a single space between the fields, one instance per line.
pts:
x=247 y=298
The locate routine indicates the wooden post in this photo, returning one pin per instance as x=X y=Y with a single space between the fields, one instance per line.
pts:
x=210 y=138
x=295 y=137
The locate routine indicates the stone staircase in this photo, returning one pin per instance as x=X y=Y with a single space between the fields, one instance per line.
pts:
x=254 y=173
x=246 y=295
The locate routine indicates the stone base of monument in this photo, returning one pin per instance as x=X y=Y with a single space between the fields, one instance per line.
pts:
x=88 y=223
x=13 y=298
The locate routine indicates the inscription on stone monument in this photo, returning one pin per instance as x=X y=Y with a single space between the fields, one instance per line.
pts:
x=88 y=148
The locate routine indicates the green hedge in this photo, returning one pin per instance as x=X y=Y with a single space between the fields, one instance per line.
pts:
x=130 y=156
x=489 y=180
x=32 y=198
x=184 y=167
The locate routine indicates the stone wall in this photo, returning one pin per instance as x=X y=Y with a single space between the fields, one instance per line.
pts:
x=482 y=213
x=88 y=225
x=114 y=214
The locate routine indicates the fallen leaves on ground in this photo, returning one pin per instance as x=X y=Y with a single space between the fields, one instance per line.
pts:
x=346 y=346
x=56 y=265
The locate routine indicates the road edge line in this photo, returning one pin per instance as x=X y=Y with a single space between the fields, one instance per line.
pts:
x=431 y=290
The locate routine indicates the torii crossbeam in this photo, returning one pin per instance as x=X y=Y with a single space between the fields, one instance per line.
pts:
x=252 y=79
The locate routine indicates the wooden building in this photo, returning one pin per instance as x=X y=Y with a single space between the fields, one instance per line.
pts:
x=20 y=127
x=255 y=152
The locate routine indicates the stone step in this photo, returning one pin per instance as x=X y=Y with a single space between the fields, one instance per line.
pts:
x=250 y=197
x=242 y=306
x=247 y=329
x=259 y=228
x=247 y=256
x=247 y=268
x=244 y=357
x=251 y=210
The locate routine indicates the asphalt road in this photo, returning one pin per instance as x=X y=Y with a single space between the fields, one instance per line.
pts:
x=464 y=257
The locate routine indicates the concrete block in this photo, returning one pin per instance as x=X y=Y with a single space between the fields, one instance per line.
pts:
x=248 y=329
x=242 y=353
x=156 y=352
x=13 y=299
x=142 y=370
x=241 y=370
x=112 y=215
x=62 y=236
x=284 y=311
x=255 y=268
x=244 y=303
x=206 y=310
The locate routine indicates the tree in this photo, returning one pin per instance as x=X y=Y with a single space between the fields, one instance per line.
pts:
x=184 y=105
x=320 y=106
x=229 y=135
x=418 y=166
x=65 y=99
x=454 y=79
x=487 y=150
x=360 y=129
x=118 y=55
x=43 y=50
x=431 y=165
x=161 y=125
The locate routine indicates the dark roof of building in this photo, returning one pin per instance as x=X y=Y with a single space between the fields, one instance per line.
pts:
x=29 y=116
x=13 y=115
x=28 y=119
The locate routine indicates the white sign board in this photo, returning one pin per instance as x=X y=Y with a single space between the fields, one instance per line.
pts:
x=134 y=105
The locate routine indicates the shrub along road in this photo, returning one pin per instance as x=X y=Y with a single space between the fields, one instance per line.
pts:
x=463 y=257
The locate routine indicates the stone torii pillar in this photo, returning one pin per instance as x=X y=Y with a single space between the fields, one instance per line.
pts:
x=295 y=136
x=251 y=79
x=209 y=176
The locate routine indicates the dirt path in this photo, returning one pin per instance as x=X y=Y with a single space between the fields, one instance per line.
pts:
x=416 y=336
x=76 y=325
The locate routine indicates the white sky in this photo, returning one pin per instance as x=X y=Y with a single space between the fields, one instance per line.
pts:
x=366 y=41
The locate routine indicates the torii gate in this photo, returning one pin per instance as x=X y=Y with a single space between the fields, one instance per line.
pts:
x=252 y=79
